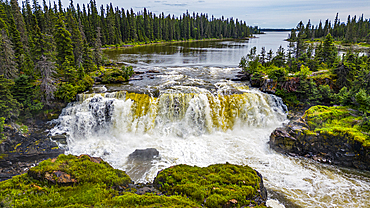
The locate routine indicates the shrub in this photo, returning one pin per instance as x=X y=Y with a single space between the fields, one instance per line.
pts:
x=277 y=73
x=66 y=92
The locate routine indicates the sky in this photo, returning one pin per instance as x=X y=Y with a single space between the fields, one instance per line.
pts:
x=262 y=13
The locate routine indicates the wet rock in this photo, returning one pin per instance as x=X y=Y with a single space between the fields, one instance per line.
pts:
x=134 y=78
x=142 y=189
x=295 y=139
x=97 y=79
x=140 y=162
x=240 y=77
x=62 y=139
x=153 y=71
x=139 y=72
x=144 y=154
x=20 y=151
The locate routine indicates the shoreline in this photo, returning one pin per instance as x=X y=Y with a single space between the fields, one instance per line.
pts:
x=138 y=44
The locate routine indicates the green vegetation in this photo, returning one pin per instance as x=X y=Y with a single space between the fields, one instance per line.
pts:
x=338 y=121
x=355 y=30
x=215 y=185
x=308 y=75
x=116 y=75
x=2 y=122
x=70 y=181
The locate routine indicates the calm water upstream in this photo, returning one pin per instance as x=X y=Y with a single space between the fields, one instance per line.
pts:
x=186 y=106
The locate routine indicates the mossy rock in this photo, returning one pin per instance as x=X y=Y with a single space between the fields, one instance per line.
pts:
x=220 y=185
x=339 y=121
x=64 y=181
x=81 y=169
x=84 y=181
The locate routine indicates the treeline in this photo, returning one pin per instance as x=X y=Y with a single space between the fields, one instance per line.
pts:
x=49 y=53
x=355 y=30
x=312 y=75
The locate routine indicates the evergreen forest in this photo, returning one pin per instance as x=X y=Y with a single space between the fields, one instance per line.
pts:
x=49 y=53
x=354 y=30
x=312 y=73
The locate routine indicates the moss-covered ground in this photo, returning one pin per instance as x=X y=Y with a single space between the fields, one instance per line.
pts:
x=70 y=181
x=337 y=121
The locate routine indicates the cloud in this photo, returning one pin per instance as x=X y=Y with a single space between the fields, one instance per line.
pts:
x=268 y=13
x=176 y=5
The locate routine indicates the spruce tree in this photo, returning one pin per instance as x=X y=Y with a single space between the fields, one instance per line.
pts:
x=19 y=21
x=16 y=40
x=7 y=57
x=97 y=48
x=65 y=57
x=9 y=107
x=329 y=51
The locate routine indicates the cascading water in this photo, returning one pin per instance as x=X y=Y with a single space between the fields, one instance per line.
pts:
x=196 y=127
x=191 y=115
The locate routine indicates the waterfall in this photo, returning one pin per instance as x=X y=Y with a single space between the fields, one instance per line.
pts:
x=196 y=126
x=172 y=113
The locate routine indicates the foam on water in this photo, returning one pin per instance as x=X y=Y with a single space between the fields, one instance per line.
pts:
x=190 y=125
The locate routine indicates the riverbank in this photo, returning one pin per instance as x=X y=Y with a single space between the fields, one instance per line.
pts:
x=341 y=46
x=331 y=135
x=141 y=44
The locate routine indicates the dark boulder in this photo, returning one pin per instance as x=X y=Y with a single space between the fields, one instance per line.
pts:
x=144 y=154
x=140 y=162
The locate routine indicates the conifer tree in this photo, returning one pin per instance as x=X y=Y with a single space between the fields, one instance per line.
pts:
x=9 y=107
x=3 y=24
x=329 y=53
x=47 y=87
x=17 y=43
x=65 y=57
x=97 y=48
x=7 y=57
x=19 y=21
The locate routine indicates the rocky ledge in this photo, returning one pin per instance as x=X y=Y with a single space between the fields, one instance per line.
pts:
x=23 y=149
x=332 y=135
x=86 y=181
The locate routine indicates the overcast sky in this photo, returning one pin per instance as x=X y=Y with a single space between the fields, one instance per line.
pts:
x=262 y=13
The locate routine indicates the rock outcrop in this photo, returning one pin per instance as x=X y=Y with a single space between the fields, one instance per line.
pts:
x=20 y=151
x=315 y=136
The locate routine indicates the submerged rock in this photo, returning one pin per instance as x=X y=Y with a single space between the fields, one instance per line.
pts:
x=325 y=134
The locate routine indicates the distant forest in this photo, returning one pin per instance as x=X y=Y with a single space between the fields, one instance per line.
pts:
x=354 y=31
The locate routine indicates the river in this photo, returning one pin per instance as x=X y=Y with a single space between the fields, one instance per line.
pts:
x=186 y=105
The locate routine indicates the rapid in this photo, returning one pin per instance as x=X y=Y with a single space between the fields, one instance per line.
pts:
x=195 y=114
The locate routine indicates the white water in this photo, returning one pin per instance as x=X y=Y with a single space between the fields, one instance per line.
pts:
x=181 y=126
